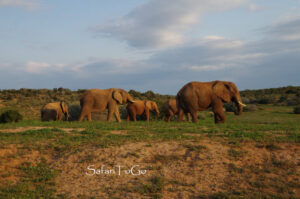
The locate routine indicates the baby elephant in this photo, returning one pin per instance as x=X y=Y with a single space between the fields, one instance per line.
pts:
x=54 y=111
x=139 y=107
x=170 y=110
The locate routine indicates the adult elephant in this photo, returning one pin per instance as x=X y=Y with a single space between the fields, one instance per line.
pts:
x=100 y=99
x=140 y=107
x=170 y=110
x=54 y=111
x=198 y=96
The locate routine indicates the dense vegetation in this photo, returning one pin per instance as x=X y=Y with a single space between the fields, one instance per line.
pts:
x=289 y=95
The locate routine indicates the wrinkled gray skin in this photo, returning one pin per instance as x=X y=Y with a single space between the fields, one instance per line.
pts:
x=54 y=111
x=199 y=96
x=95 y=100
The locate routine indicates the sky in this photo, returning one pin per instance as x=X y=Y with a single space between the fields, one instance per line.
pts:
x=157 y=45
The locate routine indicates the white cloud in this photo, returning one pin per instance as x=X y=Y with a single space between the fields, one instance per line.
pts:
x=209 y=67
x=287 y=29
x=270 y=62
x=28 y=4
x=163 y=23
x=42 y=67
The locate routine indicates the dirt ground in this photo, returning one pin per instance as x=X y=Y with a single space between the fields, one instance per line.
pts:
x=186 y=171
x=187 y=168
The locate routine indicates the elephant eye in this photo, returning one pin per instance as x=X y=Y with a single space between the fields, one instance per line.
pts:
x=227 y=86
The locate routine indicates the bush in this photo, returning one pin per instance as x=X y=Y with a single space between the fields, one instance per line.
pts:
x=74 y=112
x=297 y=110
x=123 y=112
x=250 y=108
x=229 y=107
x=10 y=116
x=245 y=100
x=293 y=102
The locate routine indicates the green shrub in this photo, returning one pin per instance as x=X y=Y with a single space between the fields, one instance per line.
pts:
x=10 y=116
x=250 y=108
x=297 y=110
x=229 y=107
x=74 y=112
x=123 y=112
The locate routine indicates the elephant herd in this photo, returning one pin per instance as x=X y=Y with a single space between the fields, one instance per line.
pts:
x=191 y=98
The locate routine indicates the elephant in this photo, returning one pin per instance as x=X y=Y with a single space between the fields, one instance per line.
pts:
x=54 y=111
x=95 y=100
x=140 y=107
x=170 y=110
x=198 y=96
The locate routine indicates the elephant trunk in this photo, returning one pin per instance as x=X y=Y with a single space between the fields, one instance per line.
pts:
x=239 y=105
x=129 y=99
x=157 y=111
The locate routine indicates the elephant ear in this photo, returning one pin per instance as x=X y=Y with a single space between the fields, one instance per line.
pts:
x=148 y=104
x=154 y=105
x=222 y=90
x=63 y=106
x=118 y=97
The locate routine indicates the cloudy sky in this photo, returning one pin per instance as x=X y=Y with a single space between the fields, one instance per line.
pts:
x=145 y=45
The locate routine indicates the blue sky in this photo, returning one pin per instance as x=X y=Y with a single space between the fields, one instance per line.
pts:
x=145 y=45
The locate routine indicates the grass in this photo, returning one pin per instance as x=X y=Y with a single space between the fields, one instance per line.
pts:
x=267 y=128
x=36 y=182
x=154 y=189
x=262 y=125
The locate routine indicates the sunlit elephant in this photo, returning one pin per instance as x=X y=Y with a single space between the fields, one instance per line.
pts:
x=95 y=100
x=198 y=96
x=54 y=111
x=140 y=107
x=170 y=110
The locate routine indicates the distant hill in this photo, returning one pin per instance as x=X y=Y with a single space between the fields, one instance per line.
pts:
x=29 y=101
x=289 y=96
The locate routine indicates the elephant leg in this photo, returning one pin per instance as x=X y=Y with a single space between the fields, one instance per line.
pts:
x=90 y=117
x=180 y=115
x=111 y=110
x=218 y=112
x=84 y=112
x=171 y=114
x=167 y=118
x=133 y=116
x=127 y=118
x=59 y=117
x=187 y=117
x=219 y=118
x=194 y=116
x=117 y=114
x=147 y=115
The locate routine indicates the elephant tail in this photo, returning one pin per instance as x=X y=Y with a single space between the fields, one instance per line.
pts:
x=42 y=114
x=81 y=102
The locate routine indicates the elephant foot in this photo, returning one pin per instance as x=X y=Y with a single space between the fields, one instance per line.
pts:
x=219 y=122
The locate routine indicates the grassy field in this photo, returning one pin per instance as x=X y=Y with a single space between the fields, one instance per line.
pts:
x=255 y=155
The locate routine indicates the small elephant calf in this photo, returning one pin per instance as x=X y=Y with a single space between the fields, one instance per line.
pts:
x=54 y=111
x=139 y=107
x=170 y=110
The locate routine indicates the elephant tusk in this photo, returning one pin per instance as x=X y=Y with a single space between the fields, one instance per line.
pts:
x=242 y=103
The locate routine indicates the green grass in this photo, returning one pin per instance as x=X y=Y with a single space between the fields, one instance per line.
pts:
x=266 y=127
x=36 y=182
x=272 y=124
